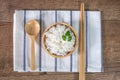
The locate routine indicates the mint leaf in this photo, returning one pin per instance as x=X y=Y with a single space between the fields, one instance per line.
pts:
x=64 y=37
x=67 y=33
x=69 y=38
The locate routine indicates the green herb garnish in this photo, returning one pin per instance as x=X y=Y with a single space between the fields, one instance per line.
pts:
x=67 y=36
x=64 y=37
x=67 y=33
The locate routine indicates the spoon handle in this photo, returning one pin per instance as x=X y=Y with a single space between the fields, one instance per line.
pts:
x=32 y=55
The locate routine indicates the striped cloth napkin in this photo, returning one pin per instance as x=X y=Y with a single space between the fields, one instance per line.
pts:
x=46 y=63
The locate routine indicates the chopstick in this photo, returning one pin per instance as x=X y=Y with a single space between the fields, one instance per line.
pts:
x=82 y=47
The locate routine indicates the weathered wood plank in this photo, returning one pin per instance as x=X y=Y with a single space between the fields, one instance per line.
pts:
x=110 y=9
x=6 y=39
x=111 y=43
x=72 y=76
x=112 y=69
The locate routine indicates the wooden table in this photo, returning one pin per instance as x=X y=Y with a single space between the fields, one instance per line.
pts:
x=110 y=34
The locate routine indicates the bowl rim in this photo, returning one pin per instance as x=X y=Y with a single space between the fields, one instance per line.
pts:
x=66 y=25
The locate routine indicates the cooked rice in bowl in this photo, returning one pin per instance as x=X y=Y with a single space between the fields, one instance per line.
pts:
x=60 y=40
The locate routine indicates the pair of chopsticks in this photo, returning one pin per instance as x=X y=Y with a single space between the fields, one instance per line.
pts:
x=82 y=43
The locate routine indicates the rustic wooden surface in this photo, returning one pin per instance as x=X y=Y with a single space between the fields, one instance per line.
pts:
x=110 y=34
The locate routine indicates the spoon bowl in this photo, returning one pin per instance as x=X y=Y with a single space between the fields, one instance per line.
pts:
x=32 y=29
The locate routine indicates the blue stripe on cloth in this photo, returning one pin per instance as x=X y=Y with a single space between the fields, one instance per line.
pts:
x=101 y=44
x=24 y=44
x=55 y=58
x=86 y=42
x=71 y=54
x=40 y=58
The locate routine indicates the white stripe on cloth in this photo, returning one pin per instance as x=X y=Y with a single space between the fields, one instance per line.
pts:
x=94 y=36
x=63 y=63
x=75 y=24
x=46 y=63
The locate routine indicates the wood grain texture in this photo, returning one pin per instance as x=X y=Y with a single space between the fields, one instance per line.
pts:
x=70 y=76
x=111 y=44
x=110 y=9
x=82 y=43
x=110 y=37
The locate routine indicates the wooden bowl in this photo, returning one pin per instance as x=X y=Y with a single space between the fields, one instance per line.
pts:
x=44 y=39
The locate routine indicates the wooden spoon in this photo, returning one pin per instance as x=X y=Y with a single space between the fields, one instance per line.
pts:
x=32 y=28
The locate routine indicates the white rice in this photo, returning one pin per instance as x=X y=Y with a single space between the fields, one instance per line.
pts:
x=55 y=43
